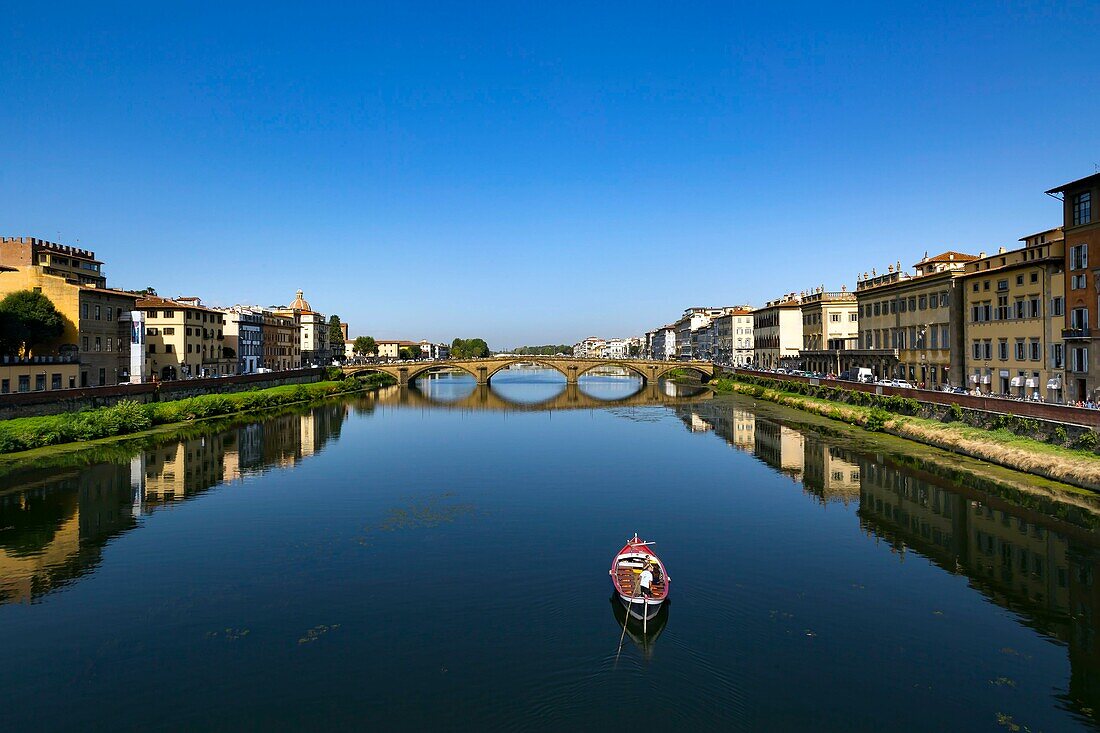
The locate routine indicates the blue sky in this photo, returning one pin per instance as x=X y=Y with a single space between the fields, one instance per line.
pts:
x=535 y=175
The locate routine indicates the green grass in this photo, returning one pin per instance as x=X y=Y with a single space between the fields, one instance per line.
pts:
x=128 y=417
x=1079 y=466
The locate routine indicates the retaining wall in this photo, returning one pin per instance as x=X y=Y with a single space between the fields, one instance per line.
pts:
x=1056 y=414
x=54 y=402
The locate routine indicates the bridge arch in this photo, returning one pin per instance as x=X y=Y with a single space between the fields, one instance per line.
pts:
x=630 y=369
x=547 y=363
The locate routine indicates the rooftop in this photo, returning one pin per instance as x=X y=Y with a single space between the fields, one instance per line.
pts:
x=1085 y=182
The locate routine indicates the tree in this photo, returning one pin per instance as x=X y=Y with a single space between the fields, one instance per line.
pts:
x=404 y=353
x=365 y=345
x=469 y=349
x=28 y=319
x=415 y=351
x=336 y=336
x=635 y=349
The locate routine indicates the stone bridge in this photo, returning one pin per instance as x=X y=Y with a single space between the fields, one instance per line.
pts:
x=572 y=368
x=572 y=397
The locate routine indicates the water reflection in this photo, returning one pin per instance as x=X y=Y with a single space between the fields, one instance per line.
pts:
x=645 y=640
x=1042 y=565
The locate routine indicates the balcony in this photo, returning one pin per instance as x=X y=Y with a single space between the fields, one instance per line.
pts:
x=1076 y=333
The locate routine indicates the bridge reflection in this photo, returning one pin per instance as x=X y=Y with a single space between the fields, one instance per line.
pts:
x=571 y=397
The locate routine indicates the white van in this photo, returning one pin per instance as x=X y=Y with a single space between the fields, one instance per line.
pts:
x=864 y=375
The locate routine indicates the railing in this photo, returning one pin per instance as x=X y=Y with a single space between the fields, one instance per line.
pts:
x=1076 y=333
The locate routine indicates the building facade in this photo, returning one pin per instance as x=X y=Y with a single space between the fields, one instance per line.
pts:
x=1014 y=312
x=313 y=348
x=184 y=339
x=919 y=316
x=777 y=332
x=71 y=263
x=280 y=342
x=96 y=323
x=830 y=326
x=244 y=337
x=663 y=343
x=1081 y=327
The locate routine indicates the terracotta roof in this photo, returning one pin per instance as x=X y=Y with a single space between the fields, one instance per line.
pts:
x=948 y=256
x=155 y=301
x=300 y=303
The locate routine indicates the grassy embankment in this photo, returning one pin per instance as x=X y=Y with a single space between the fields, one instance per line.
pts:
x=128 y=417
x=1079 y=466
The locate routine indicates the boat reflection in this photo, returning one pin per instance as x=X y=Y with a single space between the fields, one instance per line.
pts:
x=644 y=640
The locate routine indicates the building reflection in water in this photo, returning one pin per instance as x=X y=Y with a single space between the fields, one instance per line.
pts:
x=1038 y=564
x=53 y=528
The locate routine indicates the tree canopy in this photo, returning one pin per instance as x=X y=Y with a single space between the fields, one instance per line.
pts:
x=365 y=345
x=28 y=319
x=550 y=350
x=469 y=349
x=335 y=335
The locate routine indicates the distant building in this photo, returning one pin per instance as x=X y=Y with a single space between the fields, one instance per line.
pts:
x=918 y=317
x=830 y=329
x=184 y=339
x=777 y=332
x=663 y=343
x=244 y=337
x=71 y=263
x=313 y=345
x=281 y=341
x=732 y=338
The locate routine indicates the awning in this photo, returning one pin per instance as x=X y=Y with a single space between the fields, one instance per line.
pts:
x=974 y=378
x=1054 y=384
x=1016 y=382
x=1031 y=382
x=985 y=379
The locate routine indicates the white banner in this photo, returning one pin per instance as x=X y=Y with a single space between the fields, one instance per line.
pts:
x=137 y=347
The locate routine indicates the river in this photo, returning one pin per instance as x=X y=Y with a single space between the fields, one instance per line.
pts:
x=436 y=558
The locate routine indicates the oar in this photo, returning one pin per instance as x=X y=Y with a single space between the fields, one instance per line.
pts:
x=626 y=620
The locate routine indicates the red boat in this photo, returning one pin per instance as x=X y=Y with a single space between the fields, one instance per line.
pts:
x=625 y=570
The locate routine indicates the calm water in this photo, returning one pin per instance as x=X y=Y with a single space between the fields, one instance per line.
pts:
x=437 y=559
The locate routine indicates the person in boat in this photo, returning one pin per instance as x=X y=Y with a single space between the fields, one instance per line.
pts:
x=645 y=580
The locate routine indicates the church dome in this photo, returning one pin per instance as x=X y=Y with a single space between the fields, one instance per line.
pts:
x=300 y=303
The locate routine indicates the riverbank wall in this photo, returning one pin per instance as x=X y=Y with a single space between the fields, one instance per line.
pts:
x=1056 y=450
x=57 y=402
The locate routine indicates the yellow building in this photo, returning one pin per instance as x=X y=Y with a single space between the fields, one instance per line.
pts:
x=1014 y=310
x=96 y=325
x=920 y=315
x=280 y=340
x=830 y=325
x=70 y=263
x=183 y=339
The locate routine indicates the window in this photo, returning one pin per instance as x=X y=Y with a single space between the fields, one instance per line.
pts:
x=83 y=310
x=1079 y=257
x=975 y=287
x=84 y=343
x=834 y=318
x=1076 y=282
x=1002 y=308
x=24 y=383
x=55 y=381
x=944 y=342
x=110 y=313
x=901 y=306
x=1035 y=351
x=1079 y=359
x=97 y=313
x=152 y=348
x=1019 y=350
x=1035 y=309
x=1057 y=356
x=169 y=332
x=189 y=348
x=1018 y=308
x=912 y=303
x=110 y=344
x=1057 y=306
x=943 y=299
x=1019 y=279
x=985 y=285
x=1079 y=318
x=98 y=344
x=987 y=349
x=923 y=302
x=935 y=337
x=1002 y=285
x=102 y=377
x=1082 y=208
x=5 y=386
x=1034 y=277
x=169 y=314
x=1002 y=349
x=853 y=317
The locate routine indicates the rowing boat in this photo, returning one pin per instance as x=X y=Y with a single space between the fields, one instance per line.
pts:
x=625 y=571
